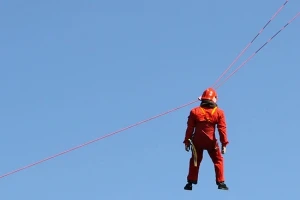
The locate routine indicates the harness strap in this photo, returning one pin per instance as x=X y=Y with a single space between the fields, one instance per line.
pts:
x=204 y=112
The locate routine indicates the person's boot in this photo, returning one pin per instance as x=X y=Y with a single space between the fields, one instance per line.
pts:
x=188 y=186
x=222 y=186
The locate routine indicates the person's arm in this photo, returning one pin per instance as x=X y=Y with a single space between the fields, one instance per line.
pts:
x=222 y=128
x=191 y=123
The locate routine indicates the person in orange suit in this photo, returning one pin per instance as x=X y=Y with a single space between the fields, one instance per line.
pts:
x=200 y=136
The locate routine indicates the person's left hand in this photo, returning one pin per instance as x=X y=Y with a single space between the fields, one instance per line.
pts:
x=187 y=147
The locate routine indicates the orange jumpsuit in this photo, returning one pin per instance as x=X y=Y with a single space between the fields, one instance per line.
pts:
x=201 y=130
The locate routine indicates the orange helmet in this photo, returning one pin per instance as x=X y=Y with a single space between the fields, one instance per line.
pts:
x=209 y=94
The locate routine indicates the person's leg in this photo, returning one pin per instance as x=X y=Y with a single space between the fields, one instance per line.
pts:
x=218 y=162
x=192 y=177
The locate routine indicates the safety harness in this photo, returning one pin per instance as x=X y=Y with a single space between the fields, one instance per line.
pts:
x=208 y=119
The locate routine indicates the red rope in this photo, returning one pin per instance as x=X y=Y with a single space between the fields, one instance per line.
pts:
x=244 y=50
x=95 y=140
x=250 y=57
x=131 y=126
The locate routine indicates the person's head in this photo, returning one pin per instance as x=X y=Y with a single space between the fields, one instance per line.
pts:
x=209 y=94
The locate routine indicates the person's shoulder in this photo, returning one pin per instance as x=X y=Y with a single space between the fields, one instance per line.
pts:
x=195 y=109
x=220 y=110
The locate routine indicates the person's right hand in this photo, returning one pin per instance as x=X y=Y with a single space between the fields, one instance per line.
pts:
x=187 y=147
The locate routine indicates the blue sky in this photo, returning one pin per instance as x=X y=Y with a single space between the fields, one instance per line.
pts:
x=72 y=72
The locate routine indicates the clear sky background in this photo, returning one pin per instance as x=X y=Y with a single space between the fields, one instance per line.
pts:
x=72 y=71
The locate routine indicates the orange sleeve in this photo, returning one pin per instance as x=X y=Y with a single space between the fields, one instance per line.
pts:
x=222 y=128
x=191 y=123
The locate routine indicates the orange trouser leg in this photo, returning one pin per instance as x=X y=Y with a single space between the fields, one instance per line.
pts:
x=193 y=171
x=218 y=161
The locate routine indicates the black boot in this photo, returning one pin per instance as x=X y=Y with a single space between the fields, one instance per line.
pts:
x=188 y=186
x=222 y=186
